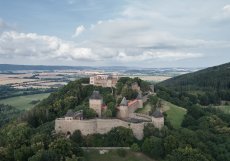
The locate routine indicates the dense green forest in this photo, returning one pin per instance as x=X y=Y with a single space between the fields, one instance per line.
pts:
x=208 y=86
x=213 y=78
x=204 y=135
x=8 y=113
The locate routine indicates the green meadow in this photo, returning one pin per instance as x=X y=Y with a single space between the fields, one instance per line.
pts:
x=24 y=102
x=94 y=155
x=175 y=114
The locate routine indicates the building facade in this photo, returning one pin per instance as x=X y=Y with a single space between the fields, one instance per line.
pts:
x=104 y=80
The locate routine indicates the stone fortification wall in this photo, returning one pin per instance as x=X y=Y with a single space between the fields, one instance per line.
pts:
x=101 y=126
x=140 y=116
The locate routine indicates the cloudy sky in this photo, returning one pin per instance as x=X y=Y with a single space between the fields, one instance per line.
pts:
x=142 y=33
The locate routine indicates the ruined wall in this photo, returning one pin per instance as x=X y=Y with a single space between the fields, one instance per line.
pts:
x=101 y=126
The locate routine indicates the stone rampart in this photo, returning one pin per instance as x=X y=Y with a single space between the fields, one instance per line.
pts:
x=101 y=126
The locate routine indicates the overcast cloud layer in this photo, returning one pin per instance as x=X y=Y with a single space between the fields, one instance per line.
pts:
x=163 y=33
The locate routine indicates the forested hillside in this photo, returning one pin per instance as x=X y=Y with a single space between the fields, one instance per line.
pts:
x=213 y=78
x=205 y=87
x=208 y=127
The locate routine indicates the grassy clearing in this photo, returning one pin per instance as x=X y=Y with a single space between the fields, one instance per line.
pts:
x=93 y=155
x=225 y=109
x=24 y=102
x=175 y=114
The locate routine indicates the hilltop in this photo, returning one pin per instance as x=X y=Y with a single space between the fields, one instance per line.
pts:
x=203 y=134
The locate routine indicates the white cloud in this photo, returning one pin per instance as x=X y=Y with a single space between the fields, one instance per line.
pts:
x=42 y=47
x=79 y=30
x=31 y=45
x=150 y=55
x=226 y=8
x=133 y=33
x=223 y=15
x=138 y=34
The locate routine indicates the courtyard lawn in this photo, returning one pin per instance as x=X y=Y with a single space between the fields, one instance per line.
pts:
x=175 y=114
x=24 y=102
x=93 y=155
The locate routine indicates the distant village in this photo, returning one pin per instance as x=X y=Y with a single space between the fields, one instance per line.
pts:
x=126 y=115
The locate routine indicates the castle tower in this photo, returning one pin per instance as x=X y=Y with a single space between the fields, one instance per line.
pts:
x=95 y=102
x=124 y=112
x=158 y=119
x=135 y=87
x=140 y=101
x=152 y=88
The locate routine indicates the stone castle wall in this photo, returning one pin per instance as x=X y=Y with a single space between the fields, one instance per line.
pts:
x=101 y=126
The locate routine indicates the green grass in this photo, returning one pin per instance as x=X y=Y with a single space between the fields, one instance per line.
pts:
x=24 y=102
x=93 y=155
x=175 y=114
x=224 y=108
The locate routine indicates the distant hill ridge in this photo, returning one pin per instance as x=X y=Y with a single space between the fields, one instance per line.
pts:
x=12 y=67
x=15 y=67
x=212 y=78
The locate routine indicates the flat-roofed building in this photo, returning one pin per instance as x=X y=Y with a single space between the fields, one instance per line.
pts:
x=104 y=80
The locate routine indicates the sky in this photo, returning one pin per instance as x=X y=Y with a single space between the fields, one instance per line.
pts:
x=137 y=33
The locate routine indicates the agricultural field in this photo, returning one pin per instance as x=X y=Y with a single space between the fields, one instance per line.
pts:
x=24 y=102
x=175 y=114
x=112 y=155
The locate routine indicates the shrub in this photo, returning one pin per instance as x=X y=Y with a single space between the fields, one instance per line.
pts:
x=122 y=152
x=135 y=147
